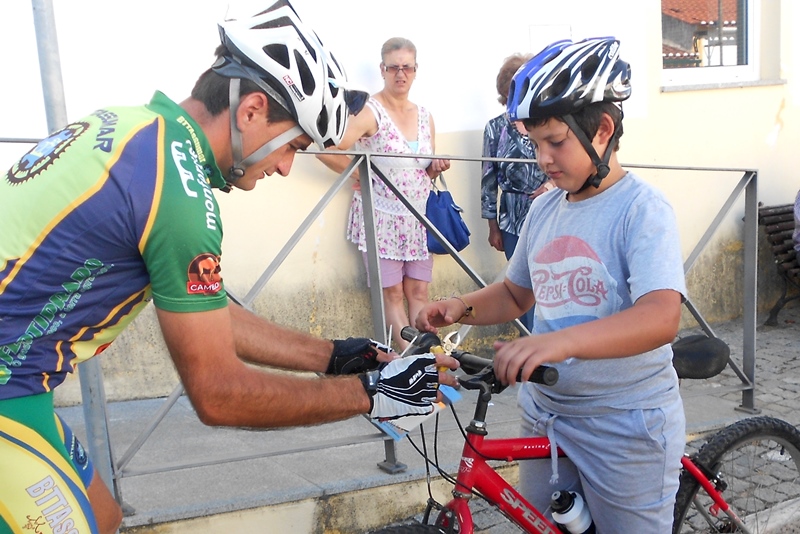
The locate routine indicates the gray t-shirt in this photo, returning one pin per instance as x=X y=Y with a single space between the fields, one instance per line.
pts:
x=590 y=259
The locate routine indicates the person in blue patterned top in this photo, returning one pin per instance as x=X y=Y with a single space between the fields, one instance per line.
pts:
x=519 y=182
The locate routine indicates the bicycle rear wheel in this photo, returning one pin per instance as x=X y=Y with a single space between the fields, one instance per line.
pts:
x=759 y=459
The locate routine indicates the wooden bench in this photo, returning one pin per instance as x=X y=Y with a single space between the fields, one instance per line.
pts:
x=778 y=222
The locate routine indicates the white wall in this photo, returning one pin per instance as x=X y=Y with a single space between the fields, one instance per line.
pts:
x=118 y=53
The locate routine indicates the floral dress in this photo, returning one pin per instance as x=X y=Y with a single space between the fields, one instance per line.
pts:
x=400 y=235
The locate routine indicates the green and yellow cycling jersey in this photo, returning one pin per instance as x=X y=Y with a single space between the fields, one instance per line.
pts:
x=97 y=219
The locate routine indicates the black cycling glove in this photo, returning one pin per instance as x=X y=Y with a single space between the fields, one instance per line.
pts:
x=405 y=386
x=354 y=355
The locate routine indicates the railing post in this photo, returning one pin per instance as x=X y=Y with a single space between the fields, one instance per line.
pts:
x=91 y=376
x=390 y=464
x=750 y=289
x=94 y=412
x=373 y=266
x=49 y=64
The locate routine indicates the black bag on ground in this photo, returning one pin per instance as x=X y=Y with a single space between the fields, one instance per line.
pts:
x=445 y=215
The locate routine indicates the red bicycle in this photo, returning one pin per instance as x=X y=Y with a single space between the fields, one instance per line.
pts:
x=745 y=478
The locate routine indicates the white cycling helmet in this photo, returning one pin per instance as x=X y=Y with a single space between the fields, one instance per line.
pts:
x=566 y=77
x=285 y=58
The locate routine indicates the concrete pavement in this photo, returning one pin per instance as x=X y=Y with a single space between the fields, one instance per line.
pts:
x=188 y=477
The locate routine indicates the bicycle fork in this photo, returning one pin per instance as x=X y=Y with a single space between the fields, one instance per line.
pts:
x=714 y=490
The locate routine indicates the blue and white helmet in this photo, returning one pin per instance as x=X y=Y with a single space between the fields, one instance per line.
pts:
x=567 y=76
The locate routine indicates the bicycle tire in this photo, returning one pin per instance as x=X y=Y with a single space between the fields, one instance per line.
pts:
x=409 y=529
x=759 y=458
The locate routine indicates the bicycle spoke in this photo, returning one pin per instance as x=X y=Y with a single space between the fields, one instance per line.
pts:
x=759 y=459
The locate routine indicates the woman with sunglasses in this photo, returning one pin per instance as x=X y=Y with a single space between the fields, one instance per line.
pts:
x=391 y=123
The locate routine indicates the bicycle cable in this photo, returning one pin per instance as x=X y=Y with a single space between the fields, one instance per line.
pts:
x=471 y=446
x=428 y=462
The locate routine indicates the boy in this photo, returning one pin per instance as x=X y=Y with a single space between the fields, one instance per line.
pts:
x=601 y=259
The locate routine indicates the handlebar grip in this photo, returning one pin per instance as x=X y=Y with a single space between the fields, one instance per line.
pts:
x=424 y=341
x=472 y=364
x=409 y=333
x=544 y=375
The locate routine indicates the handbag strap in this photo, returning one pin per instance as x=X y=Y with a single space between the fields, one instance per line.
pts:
x=444 y=184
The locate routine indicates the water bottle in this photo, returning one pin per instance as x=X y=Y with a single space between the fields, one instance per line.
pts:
x=571 y=512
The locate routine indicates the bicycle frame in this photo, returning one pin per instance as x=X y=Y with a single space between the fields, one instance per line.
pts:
x=474 y=473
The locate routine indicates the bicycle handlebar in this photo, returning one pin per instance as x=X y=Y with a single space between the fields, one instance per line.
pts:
x=470 y=363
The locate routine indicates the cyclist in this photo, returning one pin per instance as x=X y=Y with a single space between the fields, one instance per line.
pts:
x=600 y=257
x=116 y=210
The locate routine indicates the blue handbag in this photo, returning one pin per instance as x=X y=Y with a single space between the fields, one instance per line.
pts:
x=445 y=215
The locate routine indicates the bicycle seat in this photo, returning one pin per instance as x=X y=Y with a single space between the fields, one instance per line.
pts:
x=699 y=356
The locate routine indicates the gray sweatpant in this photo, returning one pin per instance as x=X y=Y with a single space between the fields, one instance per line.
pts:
x=626 y=465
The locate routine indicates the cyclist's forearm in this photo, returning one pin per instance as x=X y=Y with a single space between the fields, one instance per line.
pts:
x=227 y=391
x=263 y=342
x=262 y=399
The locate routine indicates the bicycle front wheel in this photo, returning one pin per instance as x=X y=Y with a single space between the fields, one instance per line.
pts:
x=759 y=459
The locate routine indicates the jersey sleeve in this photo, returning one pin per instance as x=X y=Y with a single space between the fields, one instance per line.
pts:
x=182 y=243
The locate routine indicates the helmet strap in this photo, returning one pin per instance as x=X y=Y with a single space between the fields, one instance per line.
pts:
x=600 y=164
x=241 y=164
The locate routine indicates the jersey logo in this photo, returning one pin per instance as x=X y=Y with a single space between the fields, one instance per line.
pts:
x=44 y=153
x=570 y=280
x=204 y=277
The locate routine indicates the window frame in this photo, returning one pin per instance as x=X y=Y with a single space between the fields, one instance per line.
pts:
x=716 y=75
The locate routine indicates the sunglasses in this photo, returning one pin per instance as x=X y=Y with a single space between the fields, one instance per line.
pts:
x=394 y=69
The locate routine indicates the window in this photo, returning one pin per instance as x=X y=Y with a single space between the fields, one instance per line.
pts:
x=707 y=41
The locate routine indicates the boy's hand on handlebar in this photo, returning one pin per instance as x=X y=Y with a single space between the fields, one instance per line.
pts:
x=524 y=355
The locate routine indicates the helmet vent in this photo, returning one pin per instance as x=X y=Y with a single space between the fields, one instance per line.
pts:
x=559 y=85
x=338 y=67
x=306 y=77
x=333 y=87
x=311 y=48
x=279 y=53
x=322 y=123
x=280 y=22
x=522 y=91
x=283 y=22
x=589 y=68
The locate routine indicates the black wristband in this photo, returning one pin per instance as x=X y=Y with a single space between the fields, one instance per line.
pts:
x=370 y=381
